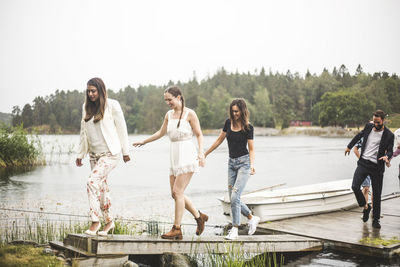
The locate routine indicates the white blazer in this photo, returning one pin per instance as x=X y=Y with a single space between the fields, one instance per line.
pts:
x=113 y=127
x=397 y=138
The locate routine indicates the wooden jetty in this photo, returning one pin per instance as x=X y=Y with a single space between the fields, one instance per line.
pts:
x=113 y=250
x=345 y=231
x=145 y=245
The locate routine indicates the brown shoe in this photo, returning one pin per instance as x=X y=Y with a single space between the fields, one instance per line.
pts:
x=200 y=223
x=175 y=233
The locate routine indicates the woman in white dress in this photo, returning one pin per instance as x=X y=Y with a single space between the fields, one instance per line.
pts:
x=180 y=123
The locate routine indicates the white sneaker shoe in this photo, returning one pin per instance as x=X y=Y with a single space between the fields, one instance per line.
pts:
x=233 y=234
x=253 y=223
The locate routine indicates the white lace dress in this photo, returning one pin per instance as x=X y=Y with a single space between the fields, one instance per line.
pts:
x=183 y=151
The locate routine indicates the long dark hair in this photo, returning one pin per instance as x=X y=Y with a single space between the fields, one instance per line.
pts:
x=175 y=91
x=244 y=114
x=96 y=109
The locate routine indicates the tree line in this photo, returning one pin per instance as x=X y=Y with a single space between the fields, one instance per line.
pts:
x=334 y=98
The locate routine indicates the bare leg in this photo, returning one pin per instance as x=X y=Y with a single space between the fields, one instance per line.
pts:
x=188 y=204
x=94 y=226
x=190 y=207
x=178 y=185
x=372 y=199
x=365 y=191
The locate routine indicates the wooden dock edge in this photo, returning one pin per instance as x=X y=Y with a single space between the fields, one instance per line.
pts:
x=386 y=252
x=106 y=248
x=80 y=258
x=70 y=250
x=114 y=250
x=147 y=245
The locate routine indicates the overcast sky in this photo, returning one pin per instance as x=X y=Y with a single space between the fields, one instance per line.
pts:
x=47 y=45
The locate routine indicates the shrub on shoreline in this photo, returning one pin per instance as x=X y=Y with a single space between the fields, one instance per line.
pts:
x=17 y=148
x=26 y=255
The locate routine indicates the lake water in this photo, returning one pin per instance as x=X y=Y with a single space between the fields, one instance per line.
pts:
x=140 y=188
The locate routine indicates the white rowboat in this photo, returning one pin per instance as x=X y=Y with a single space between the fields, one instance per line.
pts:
x=275 y=204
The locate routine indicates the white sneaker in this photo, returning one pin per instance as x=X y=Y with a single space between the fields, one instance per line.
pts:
x=253 y=223
x=233 y=234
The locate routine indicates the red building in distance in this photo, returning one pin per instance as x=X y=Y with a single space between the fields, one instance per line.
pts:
x=300 y=123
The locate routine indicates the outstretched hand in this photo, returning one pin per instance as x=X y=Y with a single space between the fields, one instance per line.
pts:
x=138 y=144
x=347 y=151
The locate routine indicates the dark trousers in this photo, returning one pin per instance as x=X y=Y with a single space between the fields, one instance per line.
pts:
x=365 y=168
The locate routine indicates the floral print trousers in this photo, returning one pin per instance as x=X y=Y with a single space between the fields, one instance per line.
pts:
x=97 y=187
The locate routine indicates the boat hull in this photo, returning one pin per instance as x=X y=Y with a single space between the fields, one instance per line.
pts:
x=283 y=207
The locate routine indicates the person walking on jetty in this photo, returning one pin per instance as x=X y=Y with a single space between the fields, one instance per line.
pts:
x=239 y=133
x=103 y=135
x=180 y=123
x=366 y=185
x=397 y=146
x=376 y=150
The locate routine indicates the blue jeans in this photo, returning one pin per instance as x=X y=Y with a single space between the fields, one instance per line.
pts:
x=238 y=175
x=367 y=182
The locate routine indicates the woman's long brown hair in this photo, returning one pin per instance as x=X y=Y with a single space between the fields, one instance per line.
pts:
x=96 y=109
x=175 y=91
x=244 y=114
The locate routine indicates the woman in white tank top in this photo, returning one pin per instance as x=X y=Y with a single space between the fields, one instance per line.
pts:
x=180 y=123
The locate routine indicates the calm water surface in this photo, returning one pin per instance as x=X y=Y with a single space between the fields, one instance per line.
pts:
x=140 y=188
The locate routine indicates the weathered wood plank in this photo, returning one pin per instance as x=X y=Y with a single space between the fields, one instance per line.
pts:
x=70 y=250
x=122 y=244
x=207 y=245
x=82 y=242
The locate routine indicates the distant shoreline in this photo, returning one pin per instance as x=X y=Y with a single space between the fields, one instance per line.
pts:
x=330 y=131
x=298 y=131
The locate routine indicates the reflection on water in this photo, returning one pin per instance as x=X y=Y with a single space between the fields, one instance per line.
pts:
x=333 y=259
x=7 y=183
x=9 y=172
x=369 y=232
x=366 y=231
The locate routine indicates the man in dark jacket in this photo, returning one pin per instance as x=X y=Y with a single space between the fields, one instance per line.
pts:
x=376 y=150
